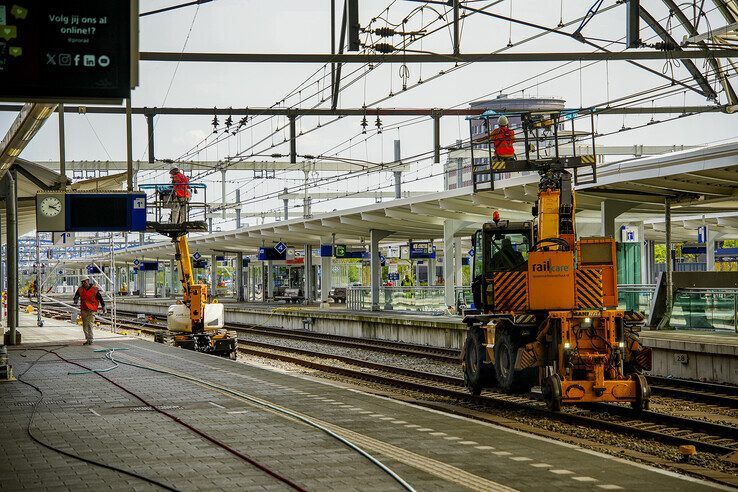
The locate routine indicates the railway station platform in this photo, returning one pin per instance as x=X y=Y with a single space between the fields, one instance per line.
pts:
x=704 y=356
x=188 y=421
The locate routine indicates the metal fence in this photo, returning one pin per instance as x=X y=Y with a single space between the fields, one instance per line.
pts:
x=432 y=298
x=428 y=299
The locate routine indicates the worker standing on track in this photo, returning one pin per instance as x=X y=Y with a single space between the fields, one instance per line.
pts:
x=503 y=139
x=89 y=297
x=180 y=196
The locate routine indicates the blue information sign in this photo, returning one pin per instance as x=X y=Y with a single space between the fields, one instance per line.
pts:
x=197 y=255
x=136 y=261
x=280 y=247
x=471 y=252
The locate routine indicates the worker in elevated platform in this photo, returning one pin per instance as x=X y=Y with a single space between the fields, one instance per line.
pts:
x=503 y=138
x=180 y=196
x=90 y=299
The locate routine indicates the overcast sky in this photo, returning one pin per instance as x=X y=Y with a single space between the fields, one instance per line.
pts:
x=304 y=26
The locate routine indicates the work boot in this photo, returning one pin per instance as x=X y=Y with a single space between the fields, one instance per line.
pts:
x=87 y=342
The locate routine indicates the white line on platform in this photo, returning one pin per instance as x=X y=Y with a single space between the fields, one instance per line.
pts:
x=215 y=404
x=238 y=411
x=91 y=410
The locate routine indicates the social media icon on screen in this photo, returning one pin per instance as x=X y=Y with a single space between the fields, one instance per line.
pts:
x=89 y=61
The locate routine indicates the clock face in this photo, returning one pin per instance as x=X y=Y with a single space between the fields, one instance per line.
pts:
x=51 y=206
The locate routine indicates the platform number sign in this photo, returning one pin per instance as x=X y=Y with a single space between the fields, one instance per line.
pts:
x=63 y=239
x=280 y=247
x=136 y=261
x=197 y=255
x=471 y=252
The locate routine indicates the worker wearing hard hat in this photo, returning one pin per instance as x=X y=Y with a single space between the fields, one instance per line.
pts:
x=89 y=297
x=180 y=196
x=503 y=139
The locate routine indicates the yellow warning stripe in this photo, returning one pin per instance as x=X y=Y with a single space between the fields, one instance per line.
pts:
x=587 y=159
x=511 y=290
x=589 y=288
x=498 y=165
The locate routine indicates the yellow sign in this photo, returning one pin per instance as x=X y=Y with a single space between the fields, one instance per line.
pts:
x=15 y=51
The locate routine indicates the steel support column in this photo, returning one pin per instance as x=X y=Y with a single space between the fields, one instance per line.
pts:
x=308 y=274
x=669 y=266
x=270 y=280
x=11 y=220
x=62 y=143
x=173 y=279
x=398 y=174
x=239 y=277
x=150 y=130
x=436 y=115
x=326 y=271
x=293 y=139
x=376 y=235
x=238 y=208
x=129 y=146
x=213 y=275
x=223 y=182
x=712 y=236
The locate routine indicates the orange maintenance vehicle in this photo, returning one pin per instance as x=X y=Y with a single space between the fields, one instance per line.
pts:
x=545 y=301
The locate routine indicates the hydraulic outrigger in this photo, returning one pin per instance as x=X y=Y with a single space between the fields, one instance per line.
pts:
x=546 y=302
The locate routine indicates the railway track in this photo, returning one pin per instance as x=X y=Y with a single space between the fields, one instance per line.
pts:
x=665 y=428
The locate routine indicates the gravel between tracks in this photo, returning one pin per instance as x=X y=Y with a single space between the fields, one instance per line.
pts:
x=404 y=361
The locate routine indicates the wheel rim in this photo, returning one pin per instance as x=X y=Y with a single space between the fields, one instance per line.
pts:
x=471 y=361
x=504 y=362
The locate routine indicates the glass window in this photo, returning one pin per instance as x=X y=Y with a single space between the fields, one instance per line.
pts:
x=508 y=251
x=478 y=257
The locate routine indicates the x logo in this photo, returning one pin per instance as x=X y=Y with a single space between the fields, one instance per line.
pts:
x=50 y=59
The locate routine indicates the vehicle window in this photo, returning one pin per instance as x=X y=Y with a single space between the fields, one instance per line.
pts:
x=477 y=260
x=508 y=251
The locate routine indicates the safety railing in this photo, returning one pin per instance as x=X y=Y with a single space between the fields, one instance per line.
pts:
x=426 y=299
x=432 y=298
x=636 y=297
x=160 y=200
x=705 y=309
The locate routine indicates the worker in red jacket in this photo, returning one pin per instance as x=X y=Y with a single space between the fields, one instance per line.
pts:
x=180 y=196
x=89 y=297
x=503 y=139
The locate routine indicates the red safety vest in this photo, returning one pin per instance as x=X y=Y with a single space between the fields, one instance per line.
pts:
x=181 y=185
x=503 y=139
x=88 y=298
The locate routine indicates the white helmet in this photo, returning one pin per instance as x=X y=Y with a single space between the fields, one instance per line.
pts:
x=502 y=121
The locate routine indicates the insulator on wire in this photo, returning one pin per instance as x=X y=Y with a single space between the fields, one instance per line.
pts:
x=364 y=124
x=383 y=48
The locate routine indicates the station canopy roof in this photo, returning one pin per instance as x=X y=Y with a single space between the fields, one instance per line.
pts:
x=702 y=184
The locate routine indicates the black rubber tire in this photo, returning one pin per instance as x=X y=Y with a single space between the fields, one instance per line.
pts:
x=478 y=374
x=506 y=351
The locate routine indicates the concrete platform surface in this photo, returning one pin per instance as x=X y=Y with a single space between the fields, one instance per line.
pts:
x=56 y=331
x=86 y=415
